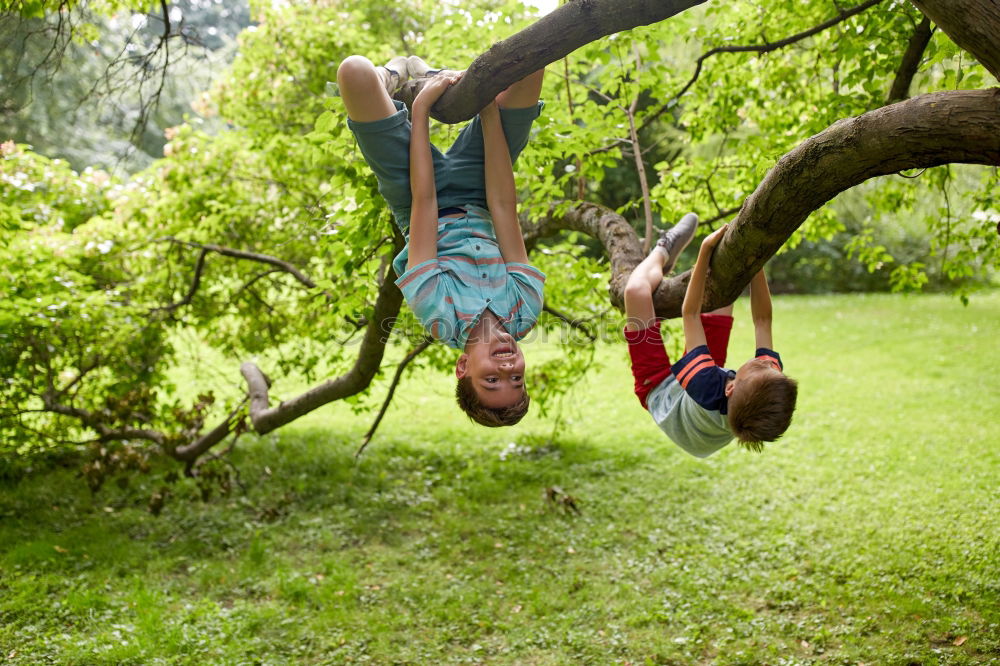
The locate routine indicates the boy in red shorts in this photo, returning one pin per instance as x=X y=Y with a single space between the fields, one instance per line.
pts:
x=698 y=403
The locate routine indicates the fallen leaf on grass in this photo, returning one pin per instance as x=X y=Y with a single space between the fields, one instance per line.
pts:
x=958 y=641
x=60 y=549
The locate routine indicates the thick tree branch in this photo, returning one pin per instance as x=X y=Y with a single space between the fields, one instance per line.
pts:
x=926 y=131
x=621 y=244
x=548 y=39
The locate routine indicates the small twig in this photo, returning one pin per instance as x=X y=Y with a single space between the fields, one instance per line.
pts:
x=758 y=48
x=640 y=166
x=286 y=266
x=392 y=389
x=580 y=182
x=947 y=229
x=723 y=214
x=578 y=324
x=199 y=268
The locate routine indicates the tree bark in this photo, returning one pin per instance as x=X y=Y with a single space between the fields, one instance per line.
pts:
x=548 y=39
x=972 y=24
x=926 y=131
x=621 y=243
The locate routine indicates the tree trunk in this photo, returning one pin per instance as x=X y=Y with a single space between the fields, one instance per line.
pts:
x=972 y=24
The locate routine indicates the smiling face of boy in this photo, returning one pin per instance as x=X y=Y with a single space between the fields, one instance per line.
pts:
x=493 y=363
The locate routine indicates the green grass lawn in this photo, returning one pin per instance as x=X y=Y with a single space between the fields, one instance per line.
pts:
x=869 y=534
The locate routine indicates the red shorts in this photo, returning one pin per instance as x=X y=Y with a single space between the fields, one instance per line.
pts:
x=650 y=364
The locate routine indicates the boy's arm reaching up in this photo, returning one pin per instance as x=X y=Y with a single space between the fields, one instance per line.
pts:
x=760 y=310
x=501 y=196
x=423 y=206
x=694 y=332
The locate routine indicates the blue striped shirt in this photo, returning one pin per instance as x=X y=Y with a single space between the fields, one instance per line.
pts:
x=450 y=293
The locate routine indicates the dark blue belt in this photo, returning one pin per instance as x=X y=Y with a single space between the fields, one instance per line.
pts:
x=450 y=211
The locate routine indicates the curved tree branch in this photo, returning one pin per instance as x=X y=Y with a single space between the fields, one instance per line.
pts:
x=190 y=452
x=199 y=268
x=929 y=130
x=104 y=431
x=576 y=324
x=285 y=266
x=548 y=39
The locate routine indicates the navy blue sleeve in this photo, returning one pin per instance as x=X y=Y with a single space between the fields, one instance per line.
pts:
x=770 y=353
x=703 y=380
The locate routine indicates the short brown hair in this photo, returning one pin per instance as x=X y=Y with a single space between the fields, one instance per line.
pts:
x=492 y=417
x=760 y=409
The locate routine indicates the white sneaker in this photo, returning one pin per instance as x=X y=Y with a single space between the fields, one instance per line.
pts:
x=673 y=241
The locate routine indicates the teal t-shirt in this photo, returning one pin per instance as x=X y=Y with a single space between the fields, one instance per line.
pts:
x=450 y=293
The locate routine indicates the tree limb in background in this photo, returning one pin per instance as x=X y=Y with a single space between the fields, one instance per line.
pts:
x=910 y=62
x=285 y=266
x=151 y=66
x=640 y=166
x=191 y=452
x=61 y=35
x=199 y=268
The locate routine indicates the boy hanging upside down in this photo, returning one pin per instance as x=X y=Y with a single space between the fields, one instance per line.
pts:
x=699 y=404
x=464 y=270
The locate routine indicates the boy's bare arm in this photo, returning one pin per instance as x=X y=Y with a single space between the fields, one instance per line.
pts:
x=423 y=205
x=501 y=196
x=694 y=332
x=760 y=310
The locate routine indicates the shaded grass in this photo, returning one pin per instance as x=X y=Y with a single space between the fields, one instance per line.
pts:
x=870 y=533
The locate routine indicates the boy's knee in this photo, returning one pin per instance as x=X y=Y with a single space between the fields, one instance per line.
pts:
x=637 y=288
x=354 y=67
